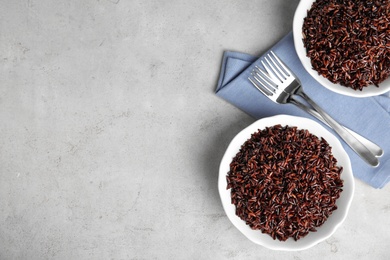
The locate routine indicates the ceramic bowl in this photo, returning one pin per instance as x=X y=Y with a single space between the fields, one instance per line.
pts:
x=300 y=14
x=343 y=203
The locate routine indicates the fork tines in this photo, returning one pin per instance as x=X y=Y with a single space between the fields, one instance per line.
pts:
x=262 y=81
x=276 y=67
x=274 y=74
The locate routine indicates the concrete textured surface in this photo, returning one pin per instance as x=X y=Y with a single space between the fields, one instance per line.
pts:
x=111 y=135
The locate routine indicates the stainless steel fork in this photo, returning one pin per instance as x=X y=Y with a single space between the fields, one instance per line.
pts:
x=280 y=85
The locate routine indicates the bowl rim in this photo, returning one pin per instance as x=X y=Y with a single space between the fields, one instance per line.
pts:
x=337 y=217
x=300 y=14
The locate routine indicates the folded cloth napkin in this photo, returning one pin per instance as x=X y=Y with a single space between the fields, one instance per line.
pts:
x=369 y=116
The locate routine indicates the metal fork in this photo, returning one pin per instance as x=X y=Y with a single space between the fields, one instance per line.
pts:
x=280 y=85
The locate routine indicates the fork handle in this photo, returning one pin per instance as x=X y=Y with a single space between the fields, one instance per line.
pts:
x=354 y=143
x=373 y=147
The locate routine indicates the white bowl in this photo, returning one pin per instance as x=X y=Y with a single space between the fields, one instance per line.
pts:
x=343 y=203
x=300 y=14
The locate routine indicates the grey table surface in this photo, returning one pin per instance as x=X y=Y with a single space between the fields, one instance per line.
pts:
x=111 y=134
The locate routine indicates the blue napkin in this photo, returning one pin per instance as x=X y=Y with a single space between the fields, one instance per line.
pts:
x=369 y=116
